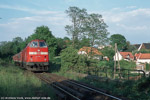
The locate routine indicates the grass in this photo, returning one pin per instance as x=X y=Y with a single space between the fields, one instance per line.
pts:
x=14 y=82
x=132 y=90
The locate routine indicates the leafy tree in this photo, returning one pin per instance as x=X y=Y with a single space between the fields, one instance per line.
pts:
x=62 y=44
x=120 y=40
x=17 y=39
x=69 y=58
x=77 y=17
x=8 y=49
x=84 y=42
x=109 y=52
x=95 y=28
x=141 y=51
x=129 y=47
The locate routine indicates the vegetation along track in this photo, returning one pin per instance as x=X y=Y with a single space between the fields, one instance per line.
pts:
x=67 y=89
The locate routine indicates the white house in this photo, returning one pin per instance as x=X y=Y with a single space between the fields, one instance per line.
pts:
x=142 y=58
x=123 y=56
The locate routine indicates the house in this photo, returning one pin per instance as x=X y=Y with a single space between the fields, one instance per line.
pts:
x=142 y=58
x=142 y=46
x=123 y=56
x=91 y=51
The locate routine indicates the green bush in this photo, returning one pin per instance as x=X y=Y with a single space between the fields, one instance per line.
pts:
x=127 y=65
x=69 y=58
x=147 y=67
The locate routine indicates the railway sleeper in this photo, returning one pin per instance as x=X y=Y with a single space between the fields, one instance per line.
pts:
x=78 y=88
x=106 y=94
x=60 y=95
x=88 y=86
x=73 y=92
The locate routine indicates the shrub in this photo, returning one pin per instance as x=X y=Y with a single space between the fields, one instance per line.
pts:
x=69 y=58
x=127 y=65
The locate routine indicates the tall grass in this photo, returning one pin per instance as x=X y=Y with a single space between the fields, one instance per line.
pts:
x=14 y=82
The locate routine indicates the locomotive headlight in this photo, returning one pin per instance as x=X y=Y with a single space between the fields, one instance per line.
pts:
x=32 y=53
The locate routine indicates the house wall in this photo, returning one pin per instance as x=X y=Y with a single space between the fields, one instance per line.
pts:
x=118 y=57
x=143 y=61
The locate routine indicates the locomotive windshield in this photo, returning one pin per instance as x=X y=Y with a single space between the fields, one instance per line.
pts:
x=34 y=44
x=42 y=44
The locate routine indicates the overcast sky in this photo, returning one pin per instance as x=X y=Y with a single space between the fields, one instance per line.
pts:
x=130 y=18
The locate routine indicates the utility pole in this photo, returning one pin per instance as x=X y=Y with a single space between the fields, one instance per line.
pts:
x=118 y=59
x=115 y=61
x=116 y=54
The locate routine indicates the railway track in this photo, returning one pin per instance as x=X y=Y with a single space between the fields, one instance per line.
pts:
x=66 y=89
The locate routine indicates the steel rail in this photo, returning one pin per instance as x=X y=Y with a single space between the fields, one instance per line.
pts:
x=66 y=92
x=48 y=81
x=97 y=91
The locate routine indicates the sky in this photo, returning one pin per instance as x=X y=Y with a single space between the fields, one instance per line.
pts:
x=19 y=18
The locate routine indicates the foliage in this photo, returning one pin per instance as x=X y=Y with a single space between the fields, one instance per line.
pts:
x=95 y=28
x=120 y=40
x=14 y=82
x=69 y=58
x=109 y=52
x=84 y=25
x=8 y=49
x=62 y=44
x=84 y=42
x=127 y=64
x=147 y=67
x=141 y=51
x=77 y=16
x=129 y=47
x=107 y=64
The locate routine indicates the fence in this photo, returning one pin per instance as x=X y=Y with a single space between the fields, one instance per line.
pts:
x=127 y=74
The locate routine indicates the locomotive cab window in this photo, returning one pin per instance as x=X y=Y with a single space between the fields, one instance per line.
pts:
x=34 y=44
x=42 y=44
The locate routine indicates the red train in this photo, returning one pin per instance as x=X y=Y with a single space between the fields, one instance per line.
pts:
x=34 y=57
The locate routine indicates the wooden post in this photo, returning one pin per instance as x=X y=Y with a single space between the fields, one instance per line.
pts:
x=115 y=61
x=118 y=59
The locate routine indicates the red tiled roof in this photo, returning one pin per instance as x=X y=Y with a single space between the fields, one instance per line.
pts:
x=125 y=54
x=137 y=55
x=144 y=56
x=89 y=49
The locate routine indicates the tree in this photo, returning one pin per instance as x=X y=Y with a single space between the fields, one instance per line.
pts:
x=84 y=42
x=129 y=47
x=62 y=44
x=120 y=40
x=17 y=39
x=95 y=28
x=69 y=58
x=77 y=17
x=109 y=52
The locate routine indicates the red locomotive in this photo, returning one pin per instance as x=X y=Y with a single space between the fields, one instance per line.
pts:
x=34 y=57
